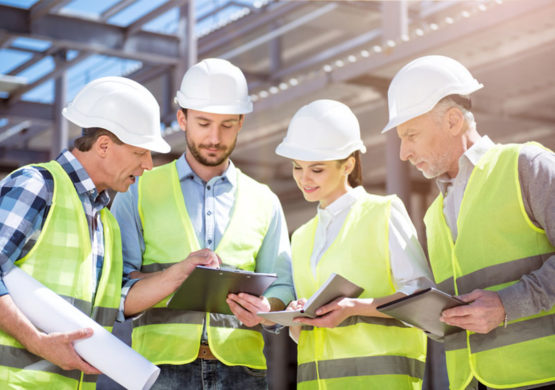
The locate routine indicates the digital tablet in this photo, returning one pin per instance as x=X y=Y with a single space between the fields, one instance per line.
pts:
x=206 y=289
x=336 y=286
x=423 y=309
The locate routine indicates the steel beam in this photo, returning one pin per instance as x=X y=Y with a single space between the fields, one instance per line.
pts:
x=222 y=7
x=24 y=136
x=375 y=61
x=44 y=7
x=38 y=112
x=14 y=130
x=138 y=24
x=60 y=135
x=448 y=34
x=58 y=70
x=11 y=158
x=97 y=37
x=227 y=35
x=87 y=35
x=116 y=8
x=275 y=51
x=322 y=10
x=394 y=25
x=37 y=56
x=331 y=53
x=192 y=52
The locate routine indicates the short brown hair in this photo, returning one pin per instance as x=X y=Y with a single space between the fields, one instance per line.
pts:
x=89 y=137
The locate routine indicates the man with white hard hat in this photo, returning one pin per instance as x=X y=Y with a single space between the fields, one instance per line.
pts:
x=204 y=203
x=55 y=226
x=491 y=230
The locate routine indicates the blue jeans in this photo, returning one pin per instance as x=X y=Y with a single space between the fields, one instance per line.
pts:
x=209 y=375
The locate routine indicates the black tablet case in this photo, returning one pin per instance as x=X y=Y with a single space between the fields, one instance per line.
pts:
x=206 y=289
x=423 y=309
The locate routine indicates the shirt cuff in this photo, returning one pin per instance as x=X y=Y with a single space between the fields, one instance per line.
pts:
x=5 y=266
x=3 y=288
x=513 y=302
x=124 y=292
x=274 y=329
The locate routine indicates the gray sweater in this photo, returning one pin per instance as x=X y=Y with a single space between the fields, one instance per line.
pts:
x=535 y=291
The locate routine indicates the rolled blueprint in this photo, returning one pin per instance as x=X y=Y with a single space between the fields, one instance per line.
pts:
x=51 y=313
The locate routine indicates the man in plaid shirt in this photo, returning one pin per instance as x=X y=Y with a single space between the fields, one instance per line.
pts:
x=43 y=212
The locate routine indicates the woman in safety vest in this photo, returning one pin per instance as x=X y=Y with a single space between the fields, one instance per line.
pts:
x=368 y=239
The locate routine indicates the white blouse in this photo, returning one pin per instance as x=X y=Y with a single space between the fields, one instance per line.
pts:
x=410 y=271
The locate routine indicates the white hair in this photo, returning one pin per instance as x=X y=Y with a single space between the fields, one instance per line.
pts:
x=448 y=102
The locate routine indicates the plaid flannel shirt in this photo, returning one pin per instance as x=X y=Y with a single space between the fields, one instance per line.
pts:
x=25 y=199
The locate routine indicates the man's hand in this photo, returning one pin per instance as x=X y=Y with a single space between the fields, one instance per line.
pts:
x=154 y=287
x=181 y=271
x=245 y=306
x=484 y=312
x=58 y=348
x=330 y=315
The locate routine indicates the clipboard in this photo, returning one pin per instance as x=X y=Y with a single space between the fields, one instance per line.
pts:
x=206 y=288
x=336 y=286
x=423 y=309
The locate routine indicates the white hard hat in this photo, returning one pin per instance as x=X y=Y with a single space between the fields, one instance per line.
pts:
x=321 y=131
x=216 y=86
x=121 y=106
x=422 y=83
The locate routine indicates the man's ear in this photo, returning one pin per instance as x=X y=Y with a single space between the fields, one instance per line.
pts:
x=181 y=119
x=102 y=145
x=455 y=121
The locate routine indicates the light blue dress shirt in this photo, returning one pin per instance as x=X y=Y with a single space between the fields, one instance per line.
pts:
x=209 y=206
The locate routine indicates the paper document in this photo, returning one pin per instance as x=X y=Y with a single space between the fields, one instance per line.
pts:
x=423 y=309
x=206 y=289
x=336 y=286
x=51 y=313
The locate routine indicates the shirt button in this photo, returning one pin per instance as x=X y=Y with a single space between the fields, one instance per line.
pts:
x=209 y=241
x=209 y=213
x=208 y=188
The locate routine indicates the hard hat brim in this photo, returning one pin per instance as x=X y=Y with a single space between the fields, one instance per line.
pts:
x=155 y=144
x=198 y=105
x=303 y=154
x=429 y=104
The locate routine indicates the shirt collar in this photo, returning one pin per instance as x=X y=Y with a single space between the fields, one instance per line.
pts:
x=184 y=172
x=342 y=203
x=81 y=180
x=477 y=151
x=469 y=159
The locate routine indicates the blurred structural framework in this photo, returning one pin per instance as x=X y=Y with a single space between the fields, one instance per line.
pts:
x=292 y=52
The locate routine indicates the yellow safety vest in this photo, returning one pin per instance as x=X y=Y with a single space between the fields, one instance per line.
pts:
x=361 y=352
x=61 y=260
x=497 y=244
x=169 y=336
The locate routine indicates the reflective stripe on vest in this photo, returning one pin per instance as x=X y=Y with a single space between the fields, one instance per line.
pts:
x=169 y=236
x=61 y=260
x=340 y=354
x=361 y=366
x=493 y=255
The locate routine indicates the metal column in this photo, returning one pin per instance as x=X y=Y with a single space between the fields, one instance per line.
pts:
x=395 y=25
x=191 y=36
x=188 y=42
x=60 y=135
